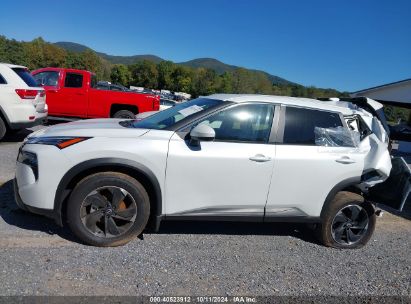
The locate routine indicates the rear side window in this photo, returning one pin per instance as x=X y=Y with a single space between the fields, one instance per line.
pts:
x=300 y=124
x=2 y=80
x=73 y=80
x=25 y=75
x=49 y=78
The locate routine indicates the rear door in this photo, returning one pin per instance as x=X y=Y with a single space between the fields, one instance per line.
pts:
x=73 y=95
x=306 y=169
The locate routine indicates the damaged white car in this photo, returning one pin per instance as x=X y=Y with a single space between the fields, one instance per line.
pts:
x=221 y=157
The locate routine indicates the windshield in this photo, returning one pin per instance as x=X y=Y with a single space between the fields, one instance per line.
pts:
x=171 y=116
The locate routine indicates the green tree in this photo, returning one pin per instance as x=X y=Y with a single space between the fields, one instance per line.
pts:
x=242 y=81
x=182 y=77
x=165 y=69
x=145 y=74
x=120 y=74
x=204 y=82
x=226 y=83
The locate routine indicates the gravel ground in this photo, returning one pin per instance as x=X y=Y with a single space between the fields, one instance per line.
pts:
x=192 y=258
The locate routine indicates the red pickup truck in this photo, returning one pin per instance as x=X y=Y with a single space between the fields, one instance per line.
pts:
x=74 y=93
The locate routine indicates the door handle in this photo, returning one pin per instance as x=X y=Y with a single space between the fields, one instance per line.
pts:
x=345 y=160
x=259 y=158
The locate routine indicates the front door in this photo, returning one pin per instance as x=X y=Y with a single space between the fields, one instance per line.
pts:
x=73 y=95
x=229 y=176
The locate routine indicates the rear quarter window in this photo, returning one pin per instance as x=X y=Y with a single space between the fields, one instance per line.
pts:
x=300 y=124
x=25 y=75
x=2 y=80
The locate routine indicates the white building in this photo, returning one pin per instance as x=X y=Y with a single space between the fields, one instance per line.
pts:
x=395 y=94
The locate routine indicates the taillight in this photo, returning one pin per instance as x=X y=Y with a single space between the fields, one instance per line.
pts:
x=27 y=94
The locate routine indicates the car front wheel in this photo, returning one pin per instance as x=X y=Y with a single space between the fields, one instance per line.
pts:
x=108 y=209
x=347 y=222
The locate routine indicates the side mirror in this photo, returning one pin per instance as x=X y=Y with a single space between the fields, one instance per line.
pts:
x=202 y=132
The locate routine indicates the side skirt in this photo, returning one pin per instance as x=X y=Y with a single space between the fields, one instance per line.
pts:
x=237 y=218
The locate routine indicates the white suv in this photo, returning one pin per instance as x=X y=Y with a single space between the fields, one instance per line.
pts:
x=221 y=157
x=22 y=101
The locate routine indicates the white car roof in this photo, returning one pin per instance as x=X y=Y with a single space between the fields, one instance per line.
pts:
x=340 y=106
x=12 y=65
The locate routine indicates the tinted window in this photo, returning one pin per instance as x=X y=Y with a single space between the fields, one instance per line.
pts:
x=49 y=78
x=25 y=75
x=244 y=123
x=73 y=80
x=2 y=80
x=300 y=124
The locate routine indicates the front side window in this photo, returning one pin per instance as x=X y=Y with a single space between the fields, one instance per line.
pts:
x=49 y=78
x=73 y=80
x=242 y=123
x=300 y=124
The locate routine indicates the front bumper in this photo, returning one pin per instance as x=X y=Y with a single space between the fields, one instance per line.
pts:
x=52 y=214
x=36 y=184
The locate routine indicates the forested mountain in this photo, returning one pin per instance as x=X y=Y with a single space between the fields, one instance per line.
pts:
x=127 y=60
x=202 y=76
x=207 y=63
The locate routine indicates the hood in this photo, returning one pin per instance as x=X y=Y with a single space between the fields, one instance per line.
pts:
x=90 y=128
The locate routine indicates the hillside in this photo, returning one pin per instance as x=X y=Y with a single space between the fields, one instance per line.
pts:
x=76 y=47
x=210 y=63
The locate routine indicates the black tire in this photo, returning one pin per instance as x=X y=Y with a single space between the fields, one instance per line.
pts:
x=124 y=114
x=78 y=216
x=348 y=221
x=3 y=128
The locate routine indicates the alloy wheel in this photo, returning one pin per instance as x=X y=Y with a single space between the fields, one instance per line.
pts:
x=350 y=225
x=108 y=211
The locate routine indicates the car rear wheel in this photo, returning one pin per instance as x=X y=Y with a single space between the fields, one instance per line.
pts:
x=3 y=128
x=108 y=209
x=124 y=114
x=347 y=222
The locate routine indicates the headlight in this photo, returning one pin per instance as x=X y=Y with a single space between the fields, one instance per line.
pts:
x=60 y=142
